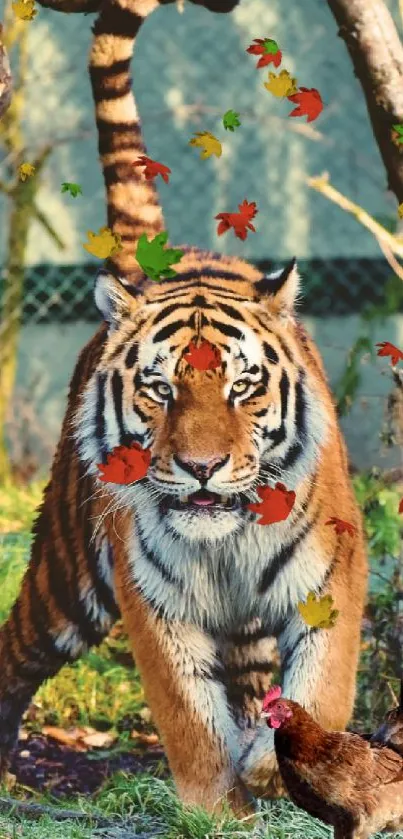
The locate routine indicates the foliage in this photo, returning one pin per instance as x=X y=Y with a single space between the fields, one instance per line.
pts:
x=372 y=316
x=382 y=638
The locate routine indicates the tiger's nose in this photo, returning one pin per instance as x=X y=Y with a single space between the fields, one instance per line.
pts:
x=201 y=468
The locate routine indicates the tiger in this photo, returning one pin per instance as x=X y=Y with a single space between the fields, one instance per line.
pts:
x=207 y=595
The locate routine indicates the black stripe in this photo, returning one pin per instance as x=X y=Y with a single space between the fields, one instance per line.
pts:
x=105 y=93
x=270 y=353
x=117 y=136
x=132 y=356
x=156 y=562
x=227 y=329
x=168 y=331
x=114 y=20
x=141 y=415
x=204 y=271
x=300 y=408
x=245 y=637
x=278 y=435
x=41 y=621
x=234 y=670
x=260 y=391
x=217 y=290
x=118 y=172
x=168 y=310
x=103 y=592
x=285 y=555
x=115 y=69
x=100 y=414
x=231 y=312
x=117 y=395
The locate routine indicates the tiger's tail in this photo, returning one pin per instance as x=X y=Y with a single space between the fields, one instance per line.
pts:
x=133 y=205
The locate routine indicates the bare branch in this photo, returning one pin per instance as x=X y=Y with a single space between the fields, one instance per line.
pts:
x=5 y=77
x=40 y=217
x=376 y=51
x=321 y=184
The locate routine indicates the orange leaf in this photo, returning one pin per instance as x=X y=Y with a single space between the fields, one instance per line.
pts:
x=125 y=464
x=309 y=103
x=69 y=738
x=241 y=222
x=401 y=506
x=342 y=526
x=147 y=739
x=389 y=349
x=152 y=168
x=276 y=504
x=203 y=357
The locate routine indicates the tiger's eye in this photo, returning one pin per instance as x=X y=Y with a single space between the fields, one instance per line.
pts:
x=240 y=387
x=162 y=388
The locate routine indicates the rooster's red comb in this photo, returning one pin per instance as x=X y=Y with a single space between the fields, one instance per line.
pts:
x=271 y=696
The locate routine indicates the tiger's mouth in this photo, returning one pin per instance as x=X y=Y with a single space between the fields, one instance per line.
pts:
x=205 y=502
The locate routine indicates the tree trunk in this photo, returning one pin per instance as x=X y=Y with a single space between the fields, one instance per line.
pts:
x=371 y=37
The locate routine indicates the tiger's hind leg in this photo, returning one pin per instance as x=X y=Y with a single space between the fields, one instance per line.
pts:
x=65 y=605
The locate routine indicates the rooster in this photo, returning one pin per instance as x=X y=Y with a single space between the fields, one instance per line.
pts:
x=390 y=733
x=335 y=776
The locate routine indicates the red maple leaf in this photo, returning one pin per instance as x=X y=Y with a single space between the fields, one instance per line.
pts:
x=125 y=464
x=153 y=168
x=259 y=48
x=341 y=526
x=390 y=349
x=276 y=504
x=309 y=103
x=401 y=506
x=203 y=357
x=241 y=222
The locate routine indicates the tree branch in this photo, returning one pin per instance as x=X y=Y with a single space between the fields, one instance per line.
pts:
x=40 y=217
x=376 y=51
x=5 y=77
x=321 y=184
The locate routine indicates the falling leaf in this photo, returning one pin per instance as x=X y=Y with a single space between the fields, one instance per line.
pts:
x=154 y=260
x=104 y=243
x=275 y=505
x=73 y=189
x=281 y=85
x=309 y=103
x=203 y=357
x=400 y=210
x=341 y=526
x=26 y=170
x=241 y=222
x=24 y=9
x=231 y=120
x=125 y=464
x=401 y=506
x=268 y=50
x=206 y=141
x=318 y=611
x=396 y=355
x=152 y=168
x=397 y=134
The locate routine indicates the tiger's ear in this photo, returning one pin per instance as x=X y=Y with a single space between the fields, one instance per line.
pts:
x=281 y=289
x=112 y=298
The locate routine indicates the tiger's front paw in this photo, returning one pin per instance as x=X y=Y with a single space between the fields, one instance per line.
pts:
x=258 y=768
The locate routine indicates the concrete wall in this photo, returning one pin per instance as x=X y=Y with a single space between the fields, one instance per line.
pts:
x=48 y=354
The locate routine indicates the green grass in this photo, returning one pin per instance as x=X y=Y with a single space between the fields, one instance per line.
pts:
x=103 y=689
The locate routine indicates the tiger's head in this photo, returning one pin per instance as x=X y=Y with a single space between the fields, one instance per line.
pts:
x=214 y=435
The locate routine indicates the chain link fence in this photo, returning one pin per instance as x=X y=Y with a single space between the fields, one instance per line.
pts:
x=188 y=70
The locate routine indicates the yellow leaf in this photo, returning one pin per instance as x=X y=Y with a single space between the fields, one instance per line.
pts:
x=281 y=85
x=24 y=9
x=104 y=243
x=206 y=141
x=318 y=611
x=26 y=170
x=400 y=210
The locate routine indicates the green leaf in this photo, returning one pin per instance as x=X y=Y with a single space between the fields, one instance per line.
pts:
x=231 y=120
x=154 y=260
